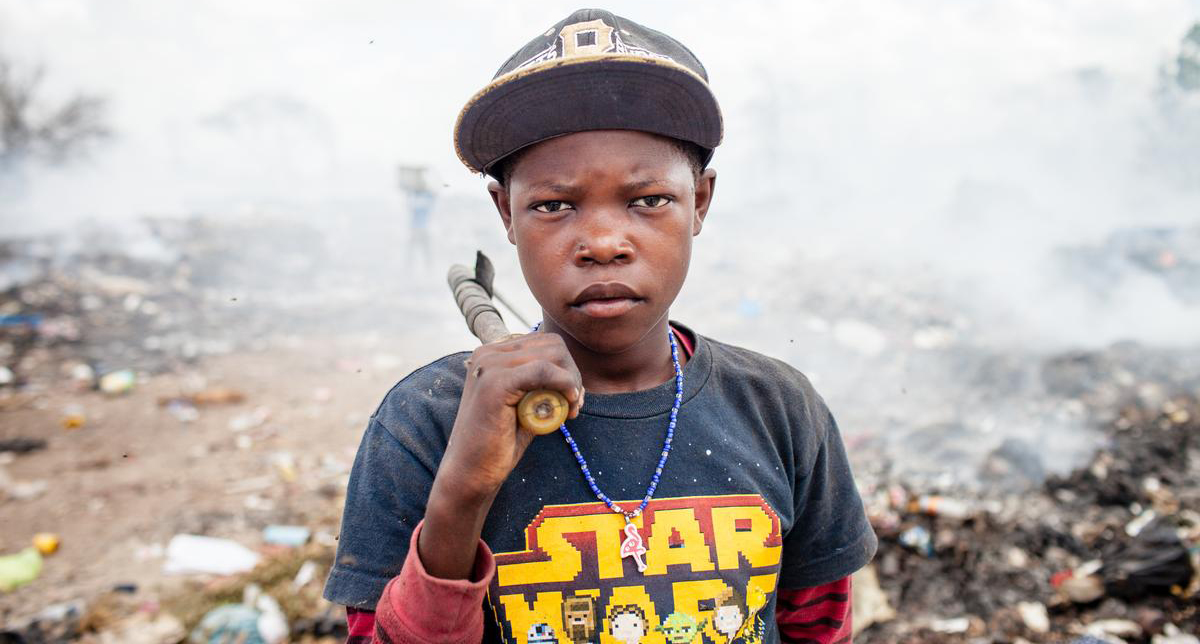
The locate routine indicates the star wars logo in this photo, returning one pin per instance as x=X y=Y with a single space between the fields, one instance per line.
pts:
x=711 y=564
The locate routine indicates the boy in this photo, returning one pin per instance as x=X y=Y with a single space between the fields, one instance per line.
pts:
x=690 y=472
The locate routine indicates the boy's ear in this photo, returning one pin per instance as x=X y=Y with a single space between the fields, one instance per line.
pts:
x=704 y=193
x=504 y=207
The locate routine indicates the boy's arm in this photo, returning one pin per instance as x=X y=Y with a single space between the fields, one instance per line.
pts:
x=818 y=615
x=421 y=609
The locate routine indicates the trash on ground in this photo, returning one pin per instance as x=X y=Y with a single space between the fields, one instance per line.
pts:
x=19 y=569
x=115 y=383
x=22 y=445
x=46 y=542
x=194 y=554
x=73 y=417
x=258 y=619
x=286 y=535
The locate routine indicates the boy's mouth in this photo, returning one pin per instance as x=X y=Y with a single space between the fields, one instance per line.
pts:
x=606 y=300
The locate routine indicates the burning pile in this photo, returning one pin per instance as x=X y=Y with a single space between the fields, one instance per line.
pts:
x=1110 y=551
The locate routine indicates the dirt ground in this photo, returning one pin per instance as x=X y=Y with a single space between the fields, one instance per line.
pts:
x=118 y=488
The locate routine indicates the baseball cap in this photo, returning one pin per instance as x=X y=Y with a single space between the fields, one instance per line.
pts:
x=591 y=71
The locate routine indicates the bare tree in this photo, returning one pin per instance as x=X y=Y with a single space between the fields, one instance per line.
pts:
x=33 y=128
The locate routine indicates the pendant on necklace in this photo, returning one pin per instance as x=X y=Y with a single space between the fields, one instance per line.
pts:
x=632 y=546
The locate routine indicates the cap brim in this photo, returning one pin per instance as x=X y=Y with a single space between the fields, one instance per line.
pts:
x=569 y=95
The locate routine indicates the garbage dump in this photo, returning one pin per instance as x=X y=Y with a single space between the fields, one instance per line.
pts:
x=164 y=379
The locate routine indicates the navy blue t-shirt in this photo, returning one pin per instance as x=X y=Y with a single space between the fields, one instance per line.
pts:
x=757 y=494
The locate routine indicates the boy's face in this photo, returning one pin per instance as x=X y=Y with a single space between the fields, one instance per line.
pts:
x=603 y=223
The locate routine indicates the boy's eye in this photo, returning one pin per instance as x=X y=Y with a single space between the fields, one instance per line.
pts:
x=650 y=201
x=551 y=206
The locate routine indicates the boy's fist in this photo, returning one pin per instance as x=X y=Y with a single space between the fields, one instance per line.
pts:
x=486 y=442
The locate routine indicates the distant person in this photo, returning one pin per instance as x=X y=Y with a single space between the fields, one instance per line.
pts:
x=694 y=473
x=415 y=184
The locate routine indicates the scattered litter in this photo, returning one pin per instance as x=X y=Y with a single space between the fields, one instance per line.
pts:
x=258 y=618
x=286 y=535
x=218 y=396
x=1035 y=616
x=6 y=376
x=1117 y=627
x=285 y=466
x=115 y=383
x=1154 y=563
x=73 y=417
x=1080 y=586
x=46 y=542
x=952 y=625
x=940 y=506
x=304 y=576
x=250 y=420
x=19 y=569
x=20 y=490
x=194 y=554
x=143 y=628
x=21 y=444
x=183 y=411
x=869 y=604
x=206 y=398
x=83 y=375
x=1172 y=635
x=919 y=539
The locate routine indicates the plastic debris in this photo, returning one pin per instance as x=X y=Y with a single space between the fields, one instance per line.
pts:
x=1154 y=563
x=918 y=539
x=305 y=575
x=194 y=554
x=183 y=411
x=286 y=535
x=73 y=417
x=46 y=542
x=21 y=444
x=940 y=506
x=143 y=628
x=20 y=490
x=1172 y=635
x=19 y=569
x=115 y=383
x=6 y=376
x=83 y=375
x=951 y=625
x=1117 y=627
x=285 y=466
x=213 y=396
x=869 y=604
x=1082 y=589
x=257 y=620
x=217 y=396
x=1035 y=616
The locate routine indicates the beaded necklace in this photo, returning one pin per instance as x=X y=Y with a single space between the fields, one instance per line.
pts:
x=632 y=545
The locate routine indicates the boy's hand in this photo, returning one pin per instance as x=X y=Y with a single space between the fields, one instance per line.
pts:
x=486 y=442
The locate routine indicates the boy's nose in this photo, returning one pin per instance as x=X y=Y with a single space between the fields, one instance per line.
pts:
x=605 y=241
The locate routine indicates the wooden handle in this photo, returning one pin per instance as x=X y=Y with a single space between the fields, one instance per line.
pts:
x=541 y=411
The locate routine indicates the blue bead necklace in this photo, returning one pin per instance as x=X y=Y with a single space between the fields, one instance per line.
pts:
x=633 y=546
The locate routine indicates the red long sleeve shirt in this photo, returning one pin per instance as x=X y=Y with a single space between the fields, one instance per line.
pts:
x=417 y=608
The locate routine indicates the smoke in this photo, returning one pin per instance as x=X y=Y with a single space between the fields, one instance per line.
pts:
x=907 y=191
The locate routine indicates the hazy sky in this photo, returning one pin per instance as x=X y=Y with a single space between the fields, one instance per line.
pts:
x=853 y=96
x=974 y=132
